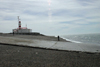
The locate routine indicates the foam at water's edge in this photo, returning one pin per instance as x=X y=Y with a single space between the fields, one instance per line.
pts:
x=71 y=40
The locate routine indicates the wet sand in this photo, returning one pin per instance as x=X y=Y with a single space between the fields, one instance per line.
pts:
x=16 y=56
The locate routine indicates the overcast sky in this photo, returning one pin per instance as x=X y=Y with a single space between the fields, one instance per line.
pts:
x=51 y=17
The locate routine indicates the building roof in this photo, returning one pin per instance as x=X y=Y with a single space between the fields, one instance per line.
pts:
x=23 y=28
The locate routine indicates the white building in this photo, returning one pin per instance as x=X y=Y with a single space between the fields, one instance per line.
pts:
x=22 y=30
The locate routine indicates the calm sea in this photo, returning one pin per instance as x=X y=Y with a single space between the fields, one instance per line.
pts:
x=83 y=38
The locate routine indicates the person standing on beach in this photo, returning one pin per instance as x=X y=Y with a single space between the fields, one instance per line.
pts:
x=13 y=33
x=58 y=38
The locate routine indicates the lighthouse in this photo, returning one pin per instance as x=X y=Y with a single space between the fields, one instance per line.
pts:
x=19 y=25
x=21 y=30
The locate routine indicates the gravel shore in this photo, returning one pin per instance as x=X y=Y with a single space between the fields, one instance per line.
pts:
x=15 y=56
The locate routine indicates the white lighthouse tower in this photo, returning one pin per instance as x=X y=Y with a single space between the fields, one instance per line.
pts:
x=19 y=25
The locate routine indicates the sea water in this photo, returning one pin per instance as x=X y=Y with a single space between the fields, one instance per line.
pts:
x=83 y=38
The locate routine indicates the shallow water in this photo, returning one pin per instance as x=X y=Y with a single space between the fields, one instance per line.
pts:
x=84 y=38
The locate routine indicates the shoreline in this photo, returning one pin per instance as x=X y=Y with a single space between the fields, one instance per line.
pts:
x=70 y=40
x=24 y=55
x=47 y=42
